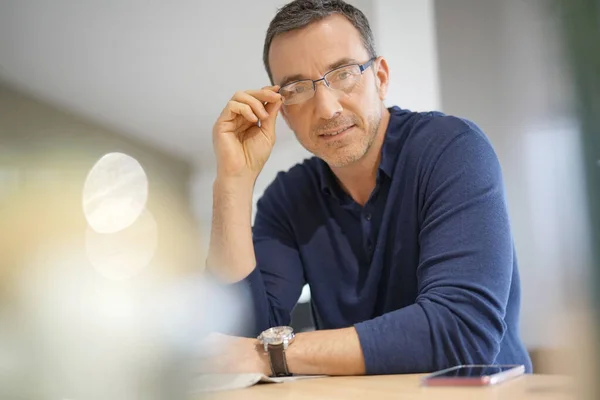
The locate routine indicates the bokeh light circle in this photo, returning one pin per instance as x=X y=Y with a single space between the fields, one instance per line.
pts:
x=115 y=193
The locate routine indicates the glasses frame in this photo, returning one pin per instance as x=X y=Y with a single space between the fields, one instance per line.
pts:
x=362 y=68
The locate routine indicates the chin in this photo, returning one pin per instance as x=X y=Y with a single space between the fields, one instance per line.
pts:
x=342 y=159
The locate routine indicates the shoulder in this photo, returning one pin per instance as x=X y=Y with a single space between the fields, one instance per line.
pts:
x=457 y=158
x=428 y=136
x=434 y=131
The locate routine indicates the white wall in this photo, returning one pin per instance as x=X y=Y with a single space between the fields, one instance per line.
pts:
x=405 y=34
x=157 y=70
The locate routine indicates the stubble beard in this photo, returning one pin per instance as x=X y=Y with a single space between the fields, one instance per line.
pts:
x=346 y=155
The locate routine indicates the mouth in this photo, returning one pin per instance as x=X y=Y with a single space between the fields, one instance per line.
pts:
x=335 y=133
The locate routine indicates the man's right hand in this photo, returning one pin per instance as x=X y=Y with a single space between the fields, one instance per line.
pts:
x=243 y=138
x=244 y=133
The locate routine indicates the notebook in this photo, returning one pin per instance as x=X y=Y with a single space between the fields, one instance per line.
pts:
x=216 y=382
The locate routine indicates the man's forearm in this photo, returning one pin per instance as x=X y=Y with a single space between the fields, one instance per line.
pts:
x=231 y=253
x=327 y=352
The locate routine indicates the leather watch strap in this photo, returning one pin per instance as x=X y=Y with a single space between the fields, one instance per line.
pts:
x=278 y=360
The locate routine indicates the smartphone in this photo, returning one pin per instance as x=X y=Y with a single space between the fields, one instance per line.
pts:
x=473 y=375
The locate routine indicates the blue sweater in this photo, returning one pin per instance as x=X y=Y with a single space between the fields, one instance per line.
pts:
x=426 y=271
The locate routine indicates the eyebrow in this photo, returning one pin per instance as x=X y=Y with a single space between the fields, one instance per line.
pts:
x=299 y=77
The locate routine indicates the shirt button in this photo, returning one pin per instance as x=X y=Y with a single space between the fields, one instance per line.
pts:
x=368 y=216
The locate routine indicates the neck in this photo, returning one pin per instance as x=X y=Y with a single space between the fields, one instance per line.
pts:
x=359 y=178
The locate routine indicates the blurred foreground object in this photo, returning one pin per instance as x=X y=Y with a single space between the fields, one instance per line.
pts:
x=580 y=20
x=101 y=292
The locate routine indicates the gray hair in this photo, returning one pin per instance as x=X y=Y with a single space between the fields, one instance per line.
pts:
x=300 y=13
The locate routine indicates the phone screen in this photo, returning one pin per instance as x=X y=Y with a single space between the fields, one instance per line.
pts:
x=473 y=371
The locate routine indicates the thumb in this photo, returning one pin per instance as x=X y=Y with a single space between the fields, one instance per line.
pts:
x=268 y=124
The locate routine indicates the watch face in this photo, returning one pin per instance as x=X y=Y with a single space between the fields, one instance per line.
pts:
x=277 y=334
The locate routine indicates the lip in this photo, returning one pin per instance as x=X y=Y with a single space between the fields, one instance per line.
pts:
x=339 y=135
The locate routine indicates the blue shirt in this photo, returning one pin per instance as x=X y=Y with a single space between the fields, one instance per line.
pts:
x=426 y=271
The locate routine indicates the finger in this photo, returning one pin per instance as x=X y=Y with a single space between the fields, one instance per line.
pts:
x=273 y=88
x=254 y=102
x=268 y=124
x=235 y=108
x=266 y=95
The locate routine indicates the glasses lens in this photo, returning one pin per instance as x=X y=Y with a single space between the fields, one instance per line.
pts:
x=344 y=78
x=297 y=92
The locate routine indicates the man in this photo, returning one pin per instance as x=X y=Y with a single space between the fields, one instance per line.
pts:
x=398 y=224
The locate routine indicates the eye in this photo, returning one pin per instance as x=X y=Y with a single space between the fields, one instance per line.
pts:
x=298 y=88
x=342 y=75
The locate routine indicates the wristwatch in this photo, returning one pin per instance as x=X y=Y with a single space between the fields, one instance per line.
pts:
x=276 y=341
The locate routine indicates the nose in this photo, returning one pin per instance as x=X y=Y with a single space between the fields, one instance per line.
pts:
x=326 y=100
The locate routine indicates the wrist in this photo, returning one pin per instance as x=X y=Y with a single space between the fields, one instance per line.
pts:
x=275 y=342
x=234 y=184
x=263 y=365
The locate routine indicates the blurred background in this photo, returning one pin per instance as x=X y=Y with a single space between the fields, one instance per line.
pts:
x=112 y=99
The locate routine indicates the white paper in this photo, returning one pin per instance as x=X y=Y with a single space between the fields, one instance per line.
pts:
x=216 y=382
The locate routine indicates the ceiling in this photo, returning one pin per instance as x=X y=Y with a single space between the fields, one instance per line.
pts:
x=160 y=71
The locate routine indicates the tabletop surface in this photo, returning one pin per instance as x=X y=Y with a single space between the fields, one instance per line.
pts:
x=398 y=387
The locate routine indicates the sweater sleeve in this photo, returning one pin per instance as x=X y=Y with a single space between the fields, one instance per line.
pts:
x=464 y=272
x=276 y=282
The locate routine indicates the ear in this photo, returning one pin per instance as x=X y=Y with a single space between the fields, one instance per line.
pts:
x=382 y=76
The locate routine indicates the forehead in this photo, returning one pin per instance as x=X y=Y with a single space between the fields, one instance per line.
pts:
x=310 y=50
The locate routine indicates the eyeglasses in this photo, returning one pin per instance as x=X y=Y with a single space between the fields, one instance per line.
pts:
x=342 y=78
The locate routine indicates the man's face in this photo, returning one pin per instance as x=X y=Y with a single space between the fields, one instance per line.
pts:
x=311 y=52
